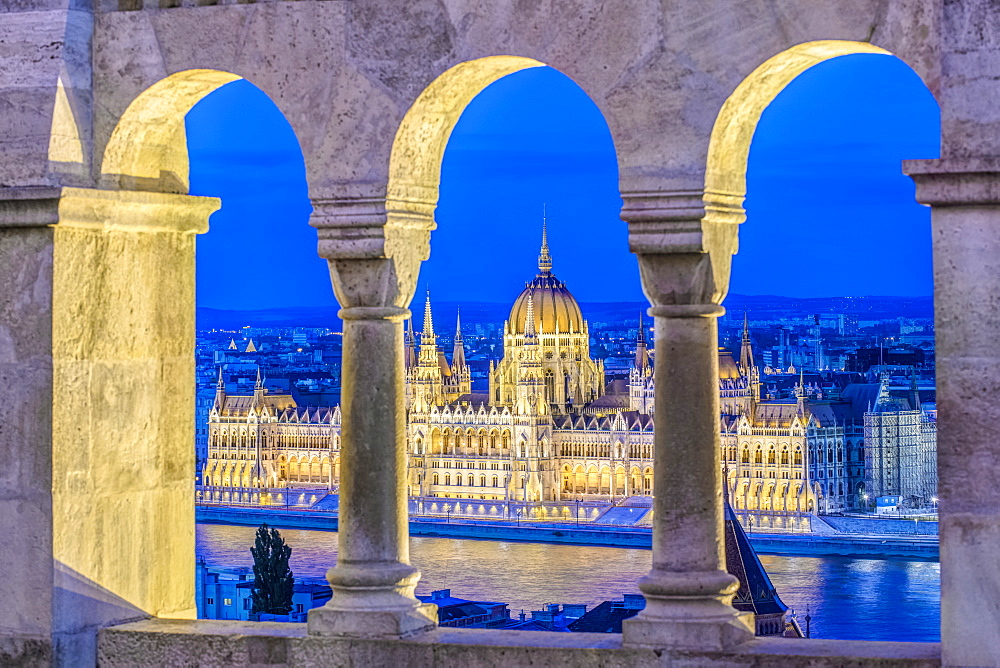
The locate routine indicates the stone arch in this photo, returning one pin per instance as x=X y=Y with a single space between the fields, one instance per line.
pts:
x=148 y=149
x=734 y=128
x=729 y=144
x=420 y=141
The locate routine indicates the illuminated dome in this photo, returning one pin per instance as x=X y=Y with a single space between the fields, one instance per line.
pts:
x=553 y=305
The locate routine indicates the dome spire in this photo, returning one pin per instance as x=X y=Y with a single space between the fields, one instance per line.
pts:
x=544 y=259
x=529 y=318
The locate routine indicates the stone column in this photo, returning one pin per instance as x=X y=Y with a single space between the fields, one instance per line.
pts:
x=373 y=581
x=96 y=362
x=374 y=260
x=684 y=258
x=965 y=196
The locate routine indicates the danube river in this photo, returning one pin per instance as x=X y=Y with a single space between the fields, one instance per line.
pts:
x=859 y=599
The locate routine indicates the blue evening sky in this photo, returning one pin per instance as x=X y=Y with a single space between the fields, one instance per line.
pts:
x=829 y=212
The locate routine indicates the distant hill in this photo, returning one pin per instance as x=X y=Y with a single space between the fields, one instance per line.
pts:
x=759 y=306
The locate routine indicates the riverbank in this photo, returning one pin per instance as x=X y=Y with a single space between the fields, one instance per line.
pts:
x=802 y=544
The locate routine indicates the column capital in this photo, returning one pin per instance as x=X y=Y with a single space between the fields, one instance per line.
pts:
x=374 y=246
x=685 y=241
x=125 y=210
x=956 y=181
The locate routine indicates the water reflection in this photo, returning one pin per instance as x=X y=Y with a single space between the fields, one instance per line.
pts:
x=861 y=599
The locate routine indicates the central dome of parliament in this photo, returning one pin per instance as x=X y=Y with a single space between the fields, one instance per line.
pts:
x=553 y=305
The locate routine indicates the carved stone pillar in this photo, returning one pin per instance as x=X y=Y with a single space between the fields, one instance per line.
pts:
x=374 y=257
x=684 y=258
x=96 y=361
x=965 y=199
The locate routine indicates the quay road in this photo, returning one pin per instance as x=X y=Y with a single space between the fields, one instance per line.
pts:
x=787 y=544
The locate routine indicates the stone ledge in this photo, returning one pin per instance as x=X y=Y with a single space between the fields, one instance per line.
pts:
x=157 y=642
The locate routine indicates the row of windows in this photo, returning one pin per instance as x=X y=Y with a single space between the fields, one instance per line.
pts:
x=494 y=482
x=493 y=466
x=758 y=456
x=604 y=450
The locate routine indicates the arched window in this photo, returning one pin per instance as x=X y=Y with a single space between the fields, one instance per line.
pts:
x=447 y=478
x=770 y=456
x=798 y=457
x=435 y=479
x=758 y=456
x=472 y=481
x=482 y=481
x=784 y=456
x=496 y=481
x=746 y=455
x=829 y=456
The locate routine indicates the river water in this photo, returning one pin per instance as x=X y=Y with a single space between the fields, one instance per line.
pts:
x=851 y=599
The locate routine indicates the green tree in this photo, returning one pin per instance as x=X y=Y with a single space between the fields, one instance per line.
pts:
x=272 y=588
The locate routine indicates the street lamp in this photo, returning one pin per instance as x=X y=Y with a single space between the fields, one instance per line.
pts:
x=578 y=512
x=750 y=523
x=517 y=517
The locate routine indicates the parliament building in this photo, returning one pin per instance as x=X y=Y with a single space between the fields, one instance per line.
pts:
x=547 y=431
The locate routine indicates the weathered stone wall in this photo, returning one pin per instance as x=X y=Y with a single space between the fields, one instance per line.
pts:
x=156 y=643
x=347 y=72
x=97 y=356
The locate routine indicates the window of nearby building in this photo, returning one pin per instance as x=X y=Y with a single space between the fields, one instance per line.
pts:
x=210 y=601
x=227 y=601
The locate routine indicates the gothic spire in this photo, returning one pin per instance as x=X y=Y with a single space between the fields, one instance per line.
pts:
x=427 y=336
x=458 y=353
x=220 y=392
x=544 y=259
x=641 y=358
x=746 y=348
x=529 y=318
x=259 y=384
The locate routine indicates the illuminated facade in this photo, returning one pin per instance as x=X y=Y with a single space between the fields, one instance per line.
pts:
x=266 y=440
x=546 y=430
x=541 y=432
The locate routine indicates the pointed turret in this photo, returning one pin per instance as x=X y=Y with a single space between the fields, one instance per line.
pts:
x=641 y=357
x=232 y=344
x=427 y=336
x=800 y=392
x=529 y=318
x=746 y=349
x=258 y=388
x=251 y=348
x=747 y=366
x=458 y=352
x=220 y=392
x=544 y=258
